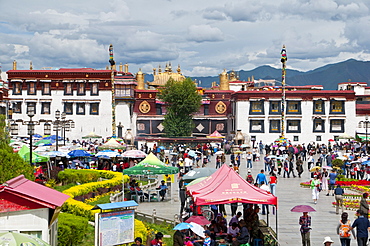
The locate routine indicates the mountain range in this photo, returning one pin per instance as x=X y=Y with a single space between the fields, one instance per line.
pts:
x=328 y=76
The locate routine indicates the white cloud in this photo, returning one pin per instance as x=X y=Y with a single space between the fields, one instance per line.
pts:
x=204 y=37
x=204 y=33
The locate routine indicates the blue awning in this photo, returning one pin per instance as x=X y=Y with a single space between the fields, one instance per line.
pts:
x=116 y=205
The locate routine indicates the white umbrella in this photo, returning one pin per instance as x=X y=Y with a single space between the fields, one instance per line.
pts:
x=197 y=229
x=108 y=153
x=220 y=152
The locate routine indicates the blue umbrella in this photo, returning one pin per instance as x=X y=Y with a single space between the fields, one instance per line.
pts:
x=53 y=137
x=367 y=163
x=37 y=136
x=182 y=226
x=78 y=153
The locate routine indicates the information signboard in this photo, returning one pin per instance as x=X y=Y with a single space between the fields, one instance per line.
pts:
x=116 y=227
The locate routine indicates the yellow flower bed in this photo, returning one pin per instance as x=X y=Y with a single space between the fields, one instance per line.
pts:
x=83 y=209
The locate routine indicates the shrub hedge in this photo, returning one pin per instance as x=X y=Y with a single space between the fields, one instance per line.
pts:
x=71 y=229
x=79 y=208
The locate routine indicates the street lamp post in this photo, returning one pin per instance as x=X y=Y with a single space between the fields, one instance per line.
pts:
x=62 y=124
x=30 y=126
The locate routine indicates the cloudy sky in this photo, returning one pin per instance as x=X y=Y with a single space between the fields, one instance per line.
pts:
x=203 y=36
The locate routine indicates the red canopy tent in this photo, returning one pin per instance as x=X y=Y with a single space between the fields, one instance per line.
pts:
x=208 y=182
x=230 y=187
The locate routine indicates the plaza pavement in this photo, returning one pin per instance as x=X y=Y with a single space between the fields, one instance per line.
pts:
x=289 y=193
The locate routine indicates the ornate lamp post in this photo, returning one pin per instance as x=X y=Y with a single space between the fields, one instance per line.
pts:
x=30 y=126
x=62 y=124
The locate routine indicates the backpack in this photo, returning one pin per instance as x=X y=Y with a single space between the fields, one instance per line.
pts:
x=344 y=229
x=249 y=179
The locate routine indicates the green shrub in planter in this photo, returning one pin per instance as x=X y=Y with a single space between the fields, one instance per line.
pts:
x=71 y=229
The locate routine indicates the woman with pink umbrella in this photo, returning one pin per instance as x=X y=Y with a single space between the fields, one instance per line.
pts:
x=305 y=222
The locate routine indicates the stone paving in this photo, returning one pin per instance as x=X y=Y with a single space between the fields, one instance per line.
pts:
x=289 y=193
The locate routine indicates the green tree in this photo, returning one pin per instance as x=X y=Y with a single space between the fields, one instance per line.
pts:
x=11 y=164
x=182 y=101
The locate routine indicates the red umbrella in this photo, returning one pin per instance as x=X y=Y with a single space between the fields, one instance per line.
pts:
x=331 y=140
x=303 y=208
x=200 y=220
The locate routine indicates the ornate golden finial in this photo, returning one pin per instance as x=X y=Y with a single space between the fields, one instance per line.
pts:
x=31 y=67
x=107 y=67
x=159 y=69
x=249 y=79
x=120 y=67
x=154 y=71
x=252 y=78
x=166 y=68
x=178 y=69
x=14 y=65
x=140 y=80
x=126 y=68
x=224 y=81
x=169 y=67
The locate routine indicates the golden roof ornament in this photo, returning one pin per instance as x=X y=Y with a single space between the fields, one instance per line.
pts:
x=126 y=68
x=14 y=65
x=31 y=66
x=120 y=67
x=178 y=69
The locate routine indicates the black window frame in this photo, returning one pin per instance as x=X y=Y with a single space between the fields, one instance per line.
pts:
x=293 y=131
x=66 y=93
x=29 y=105
x=92 y=85
x=299 y=110
x=84 y=108
x=68 y=105
x=92 y=105
x=296 y=138
x=44 y=88
x=262 y=123
x=17 y=85
x=322 y=106
x=43 y=106
x=81 y=86
x=158 y=109
x=279 y=127
x=318 y=138
x=322 y=124
x=17 y=110
x=341 y=124
x=206 y=109
x=34 y=86
x=279 y=107
x=337 y=101
x=262 y=104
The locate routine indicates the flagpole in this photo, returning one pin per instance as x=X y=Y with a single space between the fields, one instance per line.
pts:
x=283 y=99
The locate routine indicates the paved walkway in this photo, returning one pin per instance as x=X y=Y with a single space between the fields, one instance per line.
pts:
x=289 y=193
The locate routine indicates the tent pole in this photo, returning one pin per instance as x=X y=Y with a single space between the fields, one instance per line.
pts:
x=268 y=211
x=276 y=222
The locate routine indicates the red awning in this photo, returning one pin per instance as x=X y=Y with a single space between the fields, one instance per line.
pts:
x=208 y=182
x=232 y=188
x=34 y=192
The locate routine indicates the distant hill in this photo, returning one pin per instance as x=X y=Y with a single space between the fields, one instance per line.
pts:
x=328 y=76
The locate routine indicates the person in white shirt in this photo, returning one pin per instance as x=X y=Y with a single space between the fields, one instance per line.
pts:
x=232 y=231
x=265 y=207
